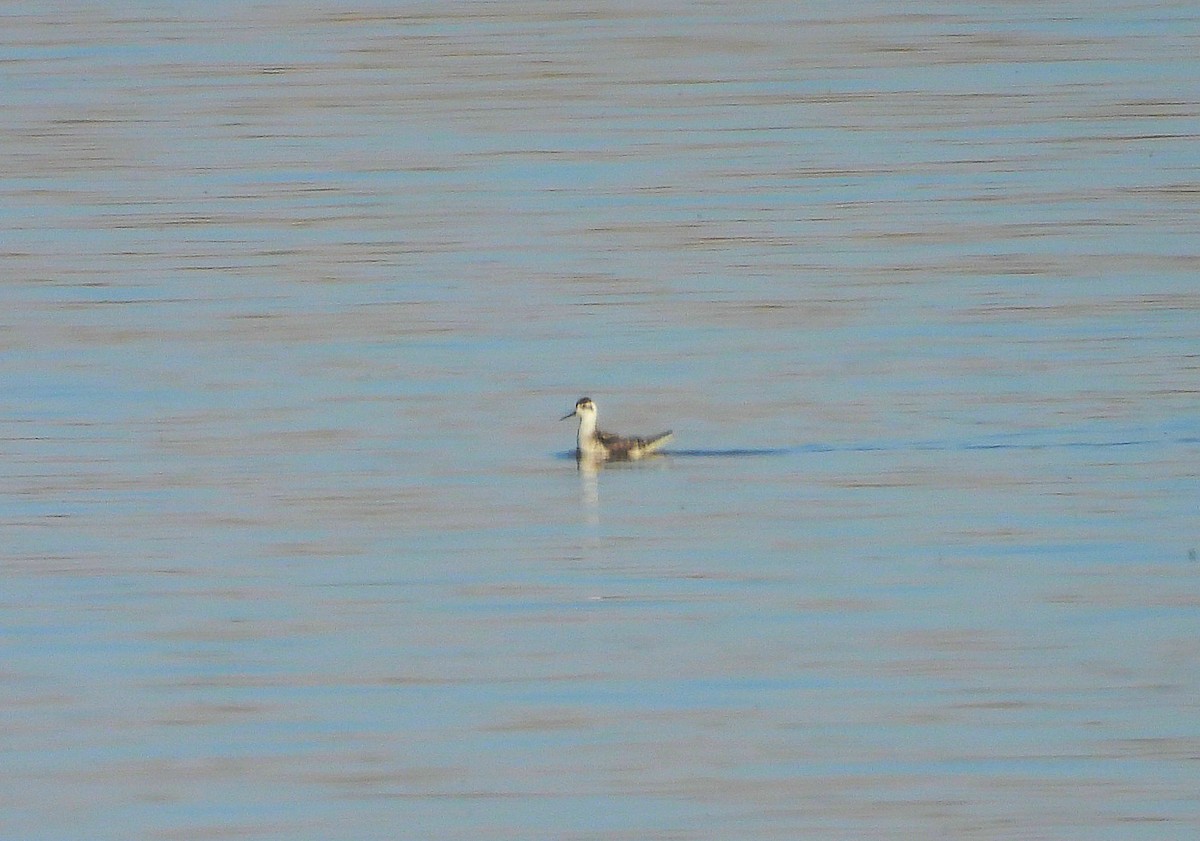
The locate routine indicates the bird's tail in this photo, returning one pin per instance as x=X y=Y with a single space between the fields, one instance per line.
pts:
x=656 y=442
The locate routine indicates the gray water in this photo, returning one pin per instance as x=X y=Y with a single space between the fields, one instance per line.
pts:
x=293 y=295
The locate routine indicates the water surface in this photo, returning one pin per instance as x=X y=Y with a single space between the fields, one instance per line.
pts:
x=294 y=294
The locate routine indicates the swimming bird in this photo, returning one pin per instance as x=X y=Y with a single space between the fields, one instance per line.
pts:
x=594 y=445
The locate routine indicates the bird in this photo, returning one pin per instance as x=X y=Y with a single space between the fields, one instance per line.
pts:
x=595 y=446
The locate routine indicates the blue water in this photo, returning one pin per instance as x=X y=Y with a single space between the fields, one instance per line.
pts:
x=293 y=543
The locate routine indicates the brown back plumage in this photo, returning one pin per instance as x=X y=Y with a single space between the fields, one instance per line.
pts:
x=620 y=449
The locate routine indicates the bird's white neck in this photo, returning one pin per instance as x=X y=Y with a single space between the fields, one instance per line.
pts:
x=587 y=429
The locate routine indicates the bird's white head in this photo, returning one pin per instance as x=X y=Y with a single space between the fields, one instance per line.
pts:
x=585 y=410
x=584 y=407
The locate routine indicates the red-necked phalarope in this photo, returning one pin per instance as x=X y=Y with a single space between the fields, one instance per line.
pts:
x=594 y=445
